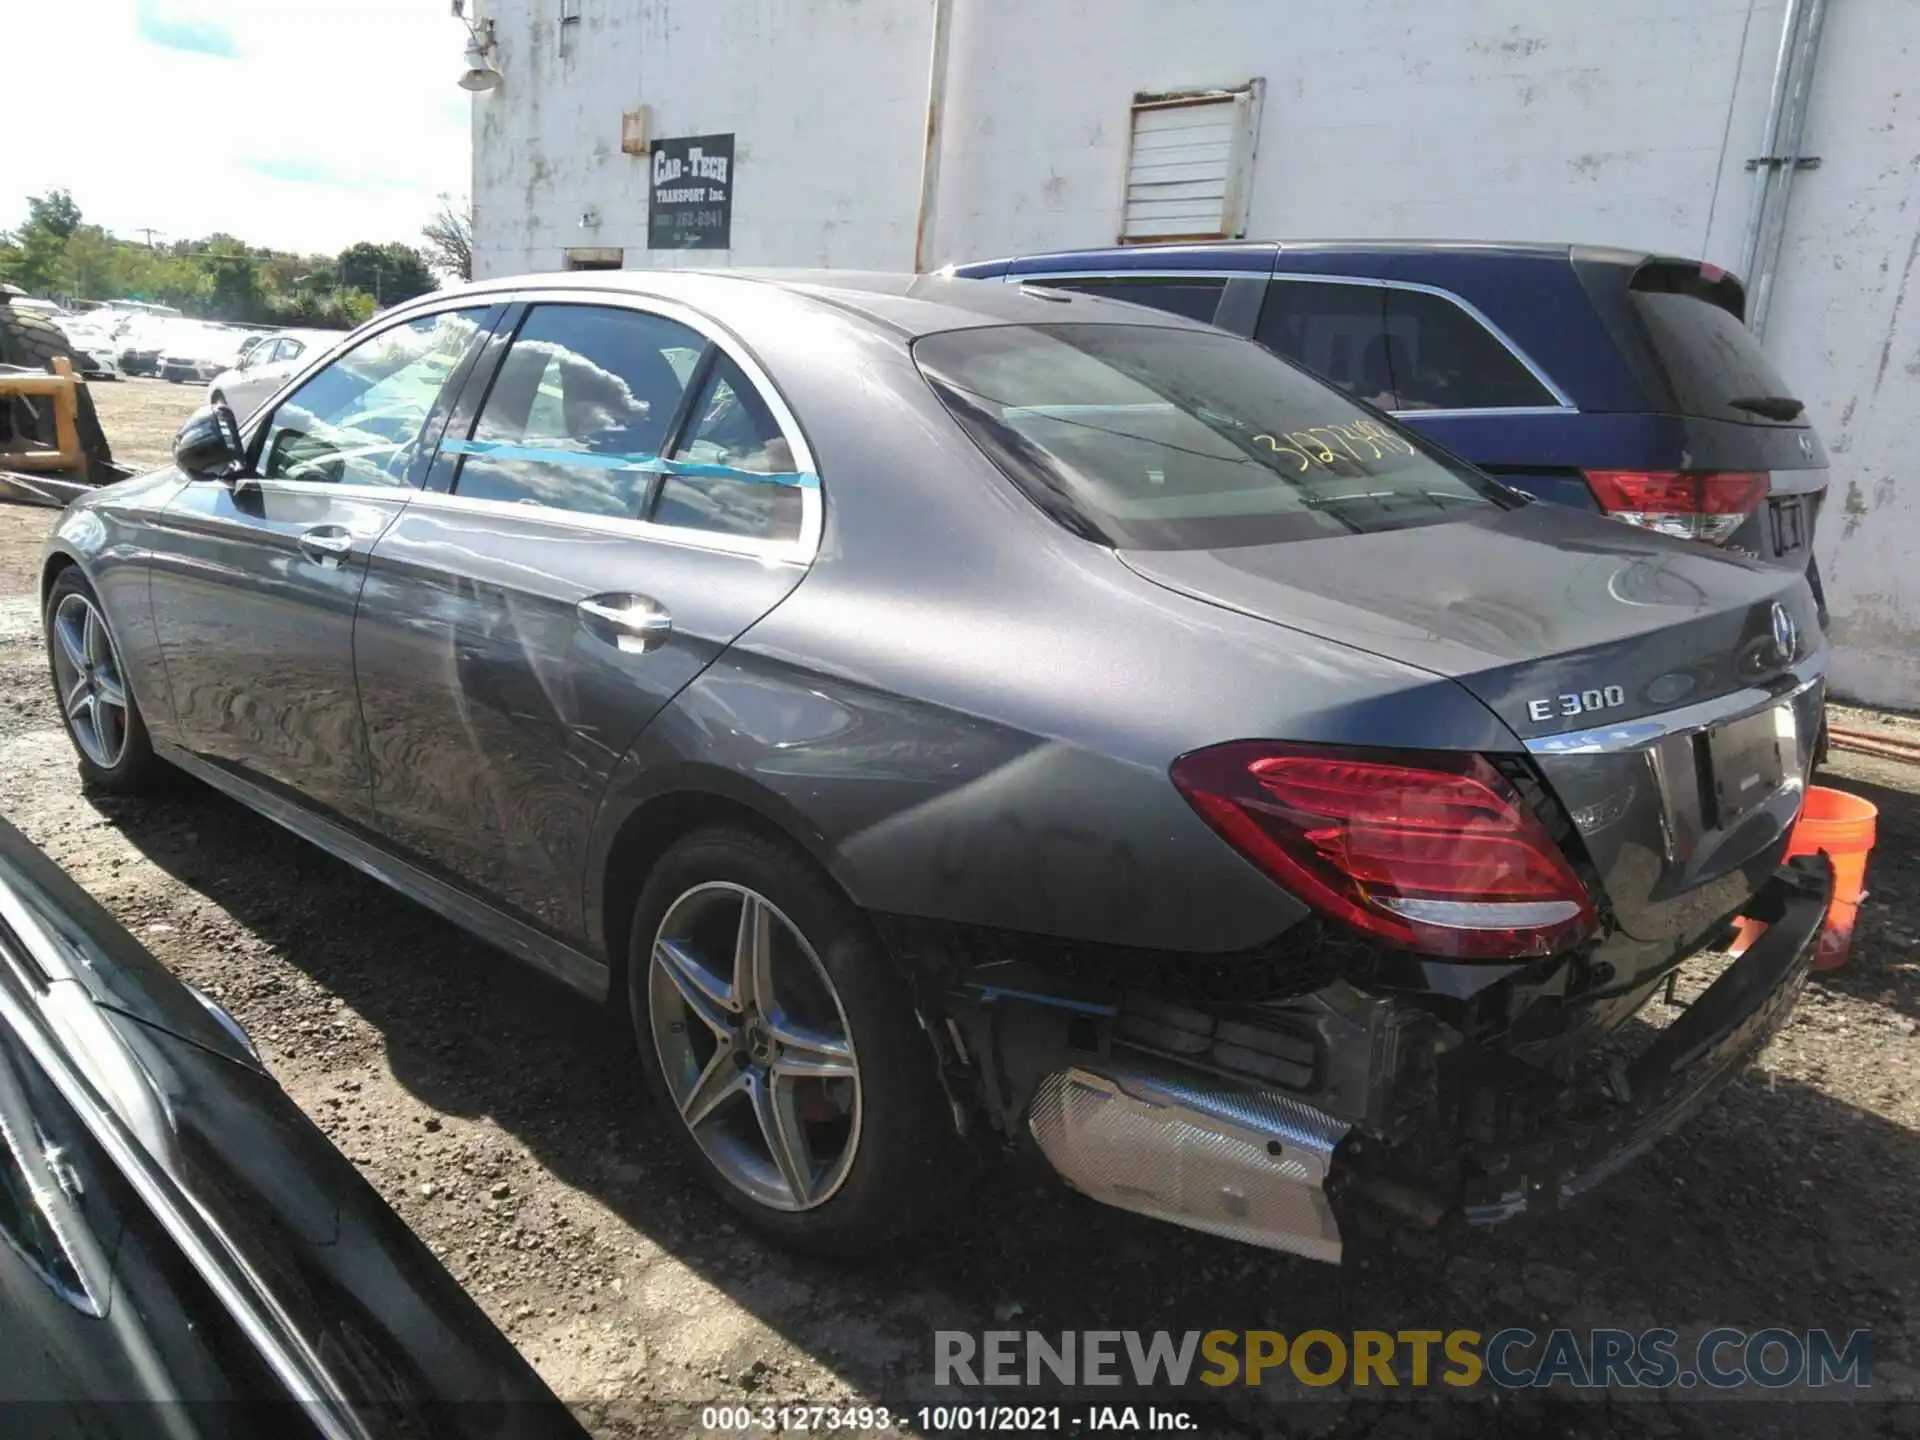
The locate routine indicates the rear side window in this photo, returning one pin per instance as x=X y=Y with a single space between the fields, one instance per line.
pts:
x=1196 y=297
x=577 y=416
x=733 y=474
x=1171 y=439
x=1395 y=348
x=1444 y=359
x=1336 y=331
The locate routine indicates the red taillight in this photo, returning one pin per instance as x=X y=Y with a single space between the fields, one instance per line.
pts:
x=1704 y=505
x=1432 y=852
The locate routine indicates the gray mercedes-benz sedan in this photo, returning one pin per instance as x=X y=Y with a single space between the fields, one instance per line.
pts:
x=952 y=719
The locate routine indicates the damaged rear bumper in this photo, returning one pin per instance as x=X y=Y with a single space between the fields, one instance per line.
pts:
x=1684 y=1067
x=1263 y=1125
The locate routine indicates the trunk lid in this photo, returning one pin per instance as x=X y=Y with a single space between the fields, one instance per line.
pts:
x=1591 y=641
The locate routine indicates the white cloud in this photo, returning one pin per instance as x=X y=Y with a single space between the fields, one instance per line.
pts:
x=301 y=124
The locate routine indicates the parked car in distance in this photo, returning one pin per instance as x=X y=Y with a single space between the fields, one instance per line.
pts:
x=95 y=346
x=934 y=712
x=142 y=340
x=1610 y=380
x=184 y=1253
x=268 y=364
x=198 y=351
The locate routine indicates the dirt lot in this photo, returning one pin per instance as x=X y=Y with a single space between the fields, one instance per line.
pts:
x=504 y=1119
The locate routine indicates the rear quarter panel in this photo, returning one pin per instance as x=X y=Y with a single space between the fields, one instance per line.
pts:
x=966 y=713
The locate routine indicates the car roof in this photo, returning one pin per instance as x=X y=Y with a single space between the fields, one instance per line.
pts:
x=906 y=305
x=1361 y=256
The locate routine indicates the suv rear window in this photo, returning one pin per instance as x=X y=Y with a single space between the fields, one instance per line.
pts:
x=1163 y=439
x=1706 y=353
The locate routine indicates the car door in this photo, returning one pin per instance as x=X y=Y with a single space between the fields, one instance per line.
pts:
x=559 y=582
x=254 y=580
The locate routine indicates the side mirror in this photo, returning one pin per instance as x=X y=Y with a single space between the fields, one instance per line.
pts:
x=208 y=446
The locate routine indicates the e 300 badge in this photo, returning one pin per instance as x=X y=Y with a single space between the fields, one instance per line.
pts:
x=1569 y=706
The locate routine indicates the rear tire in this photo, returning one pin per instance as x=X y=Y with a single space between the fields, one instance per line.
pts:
x=97 y=707
x=876 y=1141
x=33 y=341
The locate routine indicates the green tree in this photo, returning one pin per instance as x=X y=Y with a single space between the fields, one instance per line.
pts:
x=39 y=247
x=92 y=264
x=390 y=273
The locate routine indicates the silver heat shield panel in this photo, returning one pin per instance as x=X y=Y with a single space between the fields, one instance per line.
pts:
x=1180 y=1146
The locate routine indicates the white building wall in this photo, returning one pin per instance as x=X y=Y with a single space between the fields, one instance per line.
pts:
x=1845 y=328
x=827 y=99
x=1623 y=123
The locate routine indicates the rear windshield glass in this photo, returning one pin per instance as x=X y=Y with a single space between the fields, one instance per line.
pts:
x=1164 y=439
x=1709 y=357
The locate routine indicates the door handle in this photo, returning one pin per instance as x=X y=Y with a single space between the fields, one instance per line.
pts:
x=635 y=623
x=326 y=544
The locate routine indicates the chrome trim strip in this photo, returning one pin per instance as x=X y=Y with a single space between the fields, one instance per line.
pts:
x=266 y=1324
x=772 y=552
x=1137 y=275
x=1633 y=734
x=498 y=929
x=1474 y=411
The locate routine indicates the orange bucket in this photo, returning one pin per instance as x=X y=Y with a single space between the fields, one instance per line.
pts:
x=1843 y=826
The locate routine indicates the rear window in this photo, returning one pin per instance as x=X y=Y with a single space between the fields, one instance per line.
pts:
x=1162 y=439
x=1708 y=356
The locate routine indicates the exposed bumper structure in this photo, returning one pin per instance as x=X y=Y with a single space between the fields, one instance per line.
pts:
x=1245 y=1164
x=1246 y=1161
x=1684 y=1067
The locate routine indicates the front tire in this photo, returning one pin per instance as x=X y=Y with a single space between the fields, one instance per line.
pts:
x=89 y=683
x=780 y=1042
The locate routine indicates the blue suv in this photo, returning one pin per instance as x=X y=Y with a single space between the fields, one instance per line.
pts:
x=1614 y=380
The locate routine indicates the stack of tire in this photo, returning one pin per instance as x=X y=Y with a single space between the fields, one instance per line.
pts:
x=31 y=341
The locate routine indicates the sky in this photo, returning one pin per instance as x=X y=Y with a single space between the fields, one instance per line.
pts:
x=303 y=125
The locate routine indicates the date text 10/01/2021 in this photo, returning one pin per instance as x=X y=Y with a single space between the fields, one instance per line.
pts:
x=946 y=1419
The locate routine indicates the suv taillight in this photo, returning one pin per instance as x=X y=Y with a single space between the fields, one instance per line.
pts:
x=1427 y=851
x=1704 y=505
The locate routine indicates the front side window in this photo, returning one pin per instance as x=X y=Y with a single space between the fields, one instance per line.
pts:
x=1196 y=297
x=733 y=474
x=358 y=420
x=1170 y=439
x=578 y=415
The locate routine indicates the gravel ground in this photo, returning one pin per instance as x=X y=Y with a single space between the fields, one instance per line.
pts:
x=505 y=1120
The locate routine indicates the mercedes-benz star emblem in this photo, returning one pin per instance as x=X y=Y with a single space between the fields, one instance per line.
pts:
x=1786 y=634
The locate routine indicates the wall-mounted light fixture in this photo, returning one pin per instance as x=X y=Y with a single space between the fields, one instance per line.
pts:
x=481 y=73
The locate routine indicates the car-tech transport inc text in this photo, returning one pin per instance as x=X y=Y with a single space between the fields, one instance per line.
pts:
x=1724 y=1361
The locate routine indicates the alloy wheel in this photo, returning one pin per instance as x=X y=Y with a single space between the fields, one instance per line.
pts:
x=755 y=1046
x=87 y=674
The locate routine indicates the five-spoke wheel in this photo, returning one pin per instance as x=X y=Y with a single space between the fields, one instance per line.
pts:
x=781 y=1040
x=754 y=1045
x=86 y=675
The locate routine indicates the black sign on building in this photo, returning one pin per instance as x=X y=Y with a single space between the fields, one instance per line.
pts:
x=690 y=194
